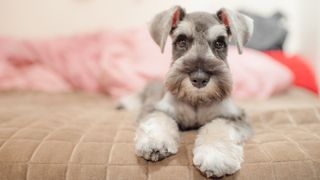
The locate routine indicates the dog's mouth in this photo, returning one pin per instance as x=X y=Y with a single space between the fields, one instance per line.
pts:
x=198 y=87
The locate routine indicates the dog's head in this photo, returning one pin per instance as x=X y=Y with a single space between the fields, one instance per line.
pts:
x=199 y=73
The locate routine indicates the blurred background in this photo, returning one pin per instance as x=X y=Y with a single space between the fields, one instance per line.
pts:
x=34 y=20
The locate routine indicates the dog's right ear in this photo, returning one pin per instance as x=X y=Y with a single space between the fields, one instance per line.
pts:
x=163 y=23
x=238 y=25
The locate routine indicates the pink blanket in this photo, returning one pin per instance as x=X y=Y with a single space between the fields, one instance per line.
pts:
x=118 y=63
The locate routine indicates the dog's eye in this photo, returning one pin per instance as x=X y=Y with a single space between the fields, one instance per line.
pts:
x=219 y=43
x=182 y=41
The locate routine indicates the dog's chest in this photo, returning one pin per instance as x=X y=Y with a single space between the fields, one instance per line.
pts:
x=188 y=116
x=191 y=117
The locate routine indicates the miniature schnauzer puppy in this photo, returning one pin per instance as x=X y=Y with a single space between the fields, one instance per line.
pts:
x=196 y=92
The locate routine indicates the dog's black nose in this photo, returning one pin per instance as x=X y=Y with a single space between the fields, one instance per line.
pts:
x=199 y=79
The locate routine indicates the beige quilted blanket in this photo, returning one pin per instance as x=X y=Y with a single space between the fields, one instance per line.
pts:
x=78 y=136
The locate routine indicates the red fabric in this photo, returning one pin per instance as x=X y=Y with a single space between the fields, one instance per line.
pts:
x=304 y=75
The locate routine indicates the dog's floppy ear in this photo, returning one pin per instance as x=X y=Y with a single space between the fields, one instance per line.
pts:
x=239 y=26
x=163 y=23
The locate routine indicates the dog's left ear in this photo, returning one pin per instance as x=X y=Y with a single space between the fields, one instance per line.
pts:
x=163 y=23
x=239 y=26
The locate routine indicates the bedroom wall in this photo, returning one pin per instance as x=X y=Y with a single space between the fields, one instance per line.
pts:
x=310 y=33
x=42 y=18
x=45 y=18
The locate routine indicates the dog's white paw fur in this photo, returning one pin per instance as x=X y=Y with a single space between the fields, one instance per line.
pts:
x=218 y=159
x=157 y=138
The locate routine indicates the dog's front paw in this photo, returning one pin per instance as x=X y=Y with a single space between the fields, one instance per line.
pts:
x=155 y=148
x=219 y=159
x=157 y=137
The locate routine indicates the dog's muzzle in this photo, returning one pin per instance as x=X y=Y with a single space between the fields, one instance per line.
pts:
x=199 y=78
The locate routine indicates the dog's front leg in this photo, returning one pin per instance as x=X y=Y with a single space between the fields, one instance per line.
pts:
x=157 y=137
x=218 y=148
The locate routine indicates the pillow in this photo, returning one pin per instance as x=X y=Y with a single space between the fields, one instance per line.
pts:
x=256 y=75
x=304 y=75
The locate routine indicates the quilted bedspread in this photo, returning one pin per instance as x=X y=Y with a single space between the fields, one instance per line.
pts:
x=76 y=136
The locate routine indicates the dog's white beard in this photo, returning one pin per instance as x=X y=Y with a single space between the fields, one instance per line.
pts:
x=208 y=94
x=218 y=87
x=194 y=95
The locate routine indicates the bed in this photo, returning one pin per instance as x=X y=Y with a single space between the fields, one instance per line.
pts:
x=78 y=136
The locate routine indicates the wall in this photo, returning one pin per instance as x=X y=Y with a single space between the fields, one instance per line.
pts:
x=41 y=18
x=310 y=33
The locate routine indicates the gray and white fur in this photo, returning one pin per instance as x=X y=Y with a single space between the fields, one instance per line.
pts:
x=196 y=91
